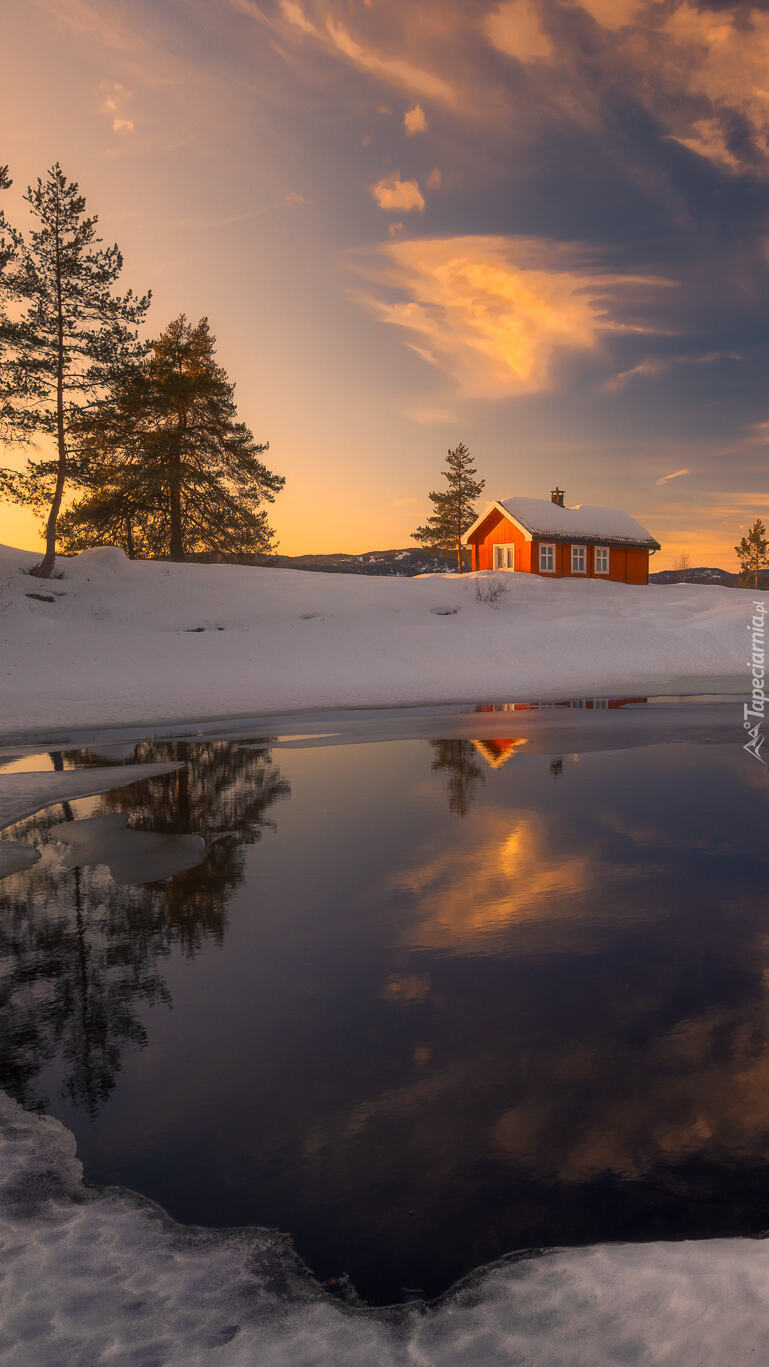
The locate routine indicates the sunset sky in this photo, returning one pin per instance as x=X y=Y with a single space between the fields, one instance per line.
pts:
x=538 y=227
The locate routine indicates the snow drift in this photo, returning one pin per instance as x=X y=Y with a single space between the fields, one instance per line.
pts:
x=114 y=642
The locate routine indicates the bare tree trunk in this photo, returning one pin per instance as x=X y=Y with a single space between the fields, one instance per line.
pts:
x=45 y=568
x=175 y=510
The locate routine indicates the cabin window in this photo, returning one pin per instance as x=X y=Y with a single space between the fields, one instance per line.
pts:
x=578 y=559
x=547 y=558
x=504 y=557
x=601 y=559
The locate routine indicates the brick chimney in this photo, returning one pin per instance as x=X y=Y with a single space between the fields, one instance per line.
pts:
x=556 y=496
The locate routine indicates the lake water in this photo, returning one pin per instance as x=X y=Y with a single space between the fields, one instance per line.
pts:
x=418 y=1002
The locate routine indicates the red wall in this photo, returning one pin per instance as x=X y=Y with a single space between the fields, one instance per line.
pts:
x=496 y=529
x=627 y=565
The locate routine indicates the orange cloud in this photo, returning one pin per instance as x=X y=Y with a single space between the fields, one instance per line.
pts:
x=515 y=29
x=612 y=14
x=699 y=70
x=115 y=99
x=493 y=312
x=414 y=120
x=400 y=196
x=329 y=25
x=676 y=474
x=434 y=180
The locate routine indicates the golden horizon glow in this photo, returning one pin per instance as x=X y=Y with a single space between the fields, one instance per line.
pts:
x=568 y=279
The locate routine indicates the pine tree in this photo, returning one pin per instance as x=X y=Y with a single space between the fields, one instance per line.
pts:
x=752 y=552
x=9 y=250
x=454 y=509
x=74 y=338
x=9 y=238
x=183 y=476
x=117 y=513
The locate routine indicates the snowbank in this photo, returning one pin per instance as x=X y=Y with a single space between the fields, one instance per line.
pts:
x=95 y=1276
x=115 y=642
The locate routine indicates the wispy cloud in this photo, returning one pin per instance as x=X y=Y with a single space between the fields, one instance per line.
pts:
x=495 y=312
x=653 y=366
x=676 y=474
x=115 y=98
x=431 y=417
x=328 y=24
x=398 y=196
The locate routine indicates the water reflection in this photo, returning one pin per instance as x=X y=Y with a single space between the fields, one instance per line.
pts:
x=415 y=1043
x=456 y=759
x=81 y=948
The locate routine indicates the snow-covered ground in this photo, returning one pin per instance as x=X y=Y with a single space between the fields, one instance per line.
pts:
x=94 y=1276
x=124 y=642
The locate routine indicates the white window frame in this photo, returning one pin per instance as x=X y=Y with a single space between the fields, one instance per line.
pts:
x=504 y=555
x=602 y=551
x=547 y=553
x=577 y=553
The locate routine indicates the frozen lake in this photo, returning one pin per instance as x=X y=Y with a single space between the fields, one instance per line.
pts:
x=420 y=992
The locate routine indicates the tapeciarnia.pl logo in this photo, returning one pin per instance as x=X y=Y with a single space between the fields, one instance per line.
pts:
x=754 y=711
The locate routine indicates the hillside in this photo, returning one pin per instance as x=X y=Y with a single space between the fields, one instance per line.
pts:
x=114 y=642
x=705 y=575
x=403 y=563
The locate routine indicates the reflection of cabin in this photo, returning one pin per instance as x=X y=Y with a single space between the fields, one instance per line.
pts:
x=541 y=536
x=498 y=752
x=596 y=703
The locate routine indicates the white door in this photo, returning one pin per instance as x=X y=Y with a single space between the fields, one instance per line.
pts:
x=504 y=556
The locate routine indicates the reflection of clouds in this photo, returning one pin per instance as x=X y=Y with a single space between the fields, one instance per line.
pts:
x=503 y=875
x=699 y=1090
x=407 y=988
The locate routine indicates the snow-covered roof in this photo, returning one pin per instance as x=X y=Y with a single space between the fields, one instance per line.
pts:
x=585 y=522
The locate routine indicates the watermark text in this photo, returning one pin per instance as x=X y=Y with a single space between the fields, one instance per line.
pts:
x=754 y=712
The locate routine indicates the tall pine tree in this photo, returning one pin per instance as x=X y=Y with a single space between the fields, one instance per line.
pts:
x=752 y=553
x=453 y=508
x=183 y=475
x=9 y=250
x=73 y=340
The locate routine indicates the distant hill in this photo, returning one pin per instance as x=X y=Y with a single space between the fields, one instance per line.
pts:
x=405 y=563
x=401 y=563
x=408 y=562
x=705 y=575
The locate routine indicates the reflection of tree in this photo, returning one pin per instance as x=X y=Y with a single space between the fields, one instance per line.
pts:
x=83 y=951
x=221 y=794
x=457 y=757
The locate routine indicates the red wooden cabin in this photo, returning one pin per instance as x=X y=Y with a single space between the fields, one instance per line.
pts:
x=541 y=536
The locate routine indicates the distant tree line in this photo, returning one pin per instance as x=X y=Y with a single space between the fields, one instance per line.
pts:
x=145 y=434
